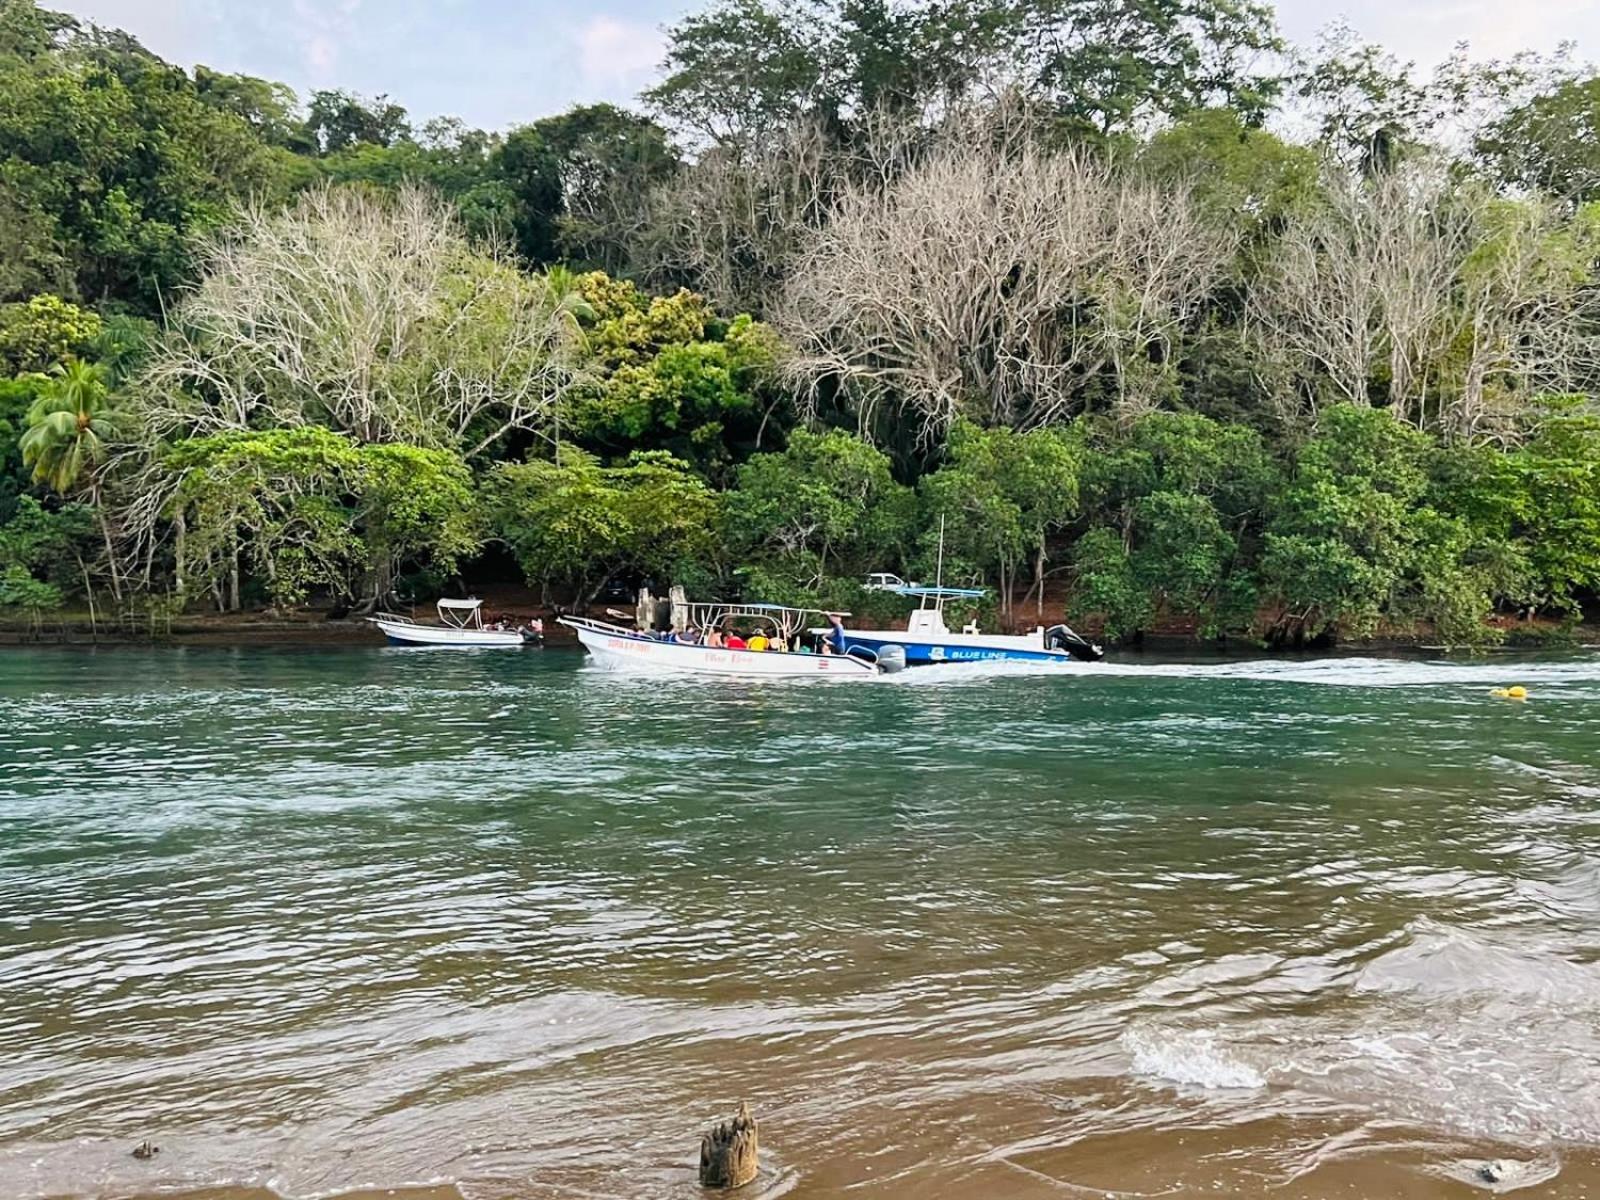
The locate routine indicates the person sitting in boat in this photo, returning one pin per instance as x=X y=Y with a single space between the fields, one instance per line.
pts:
x=688 y=637
x=714 y=638
x=734 y=641
x=757 y=642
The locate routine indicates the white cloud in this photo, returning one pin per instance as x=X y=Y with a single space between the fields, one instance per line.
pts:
x=321 y=30
x=617 y=53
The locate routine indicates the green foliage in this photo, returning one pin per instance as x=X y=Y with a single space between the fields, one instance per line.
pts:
x=1106 y=65
x=45 y=332
x=17 y=396
x=1175 y=502
x=740 y=69
x=1108 y=585
x=1549 y=143
x=41 y=554
x=1552 y=494
x=312 y=509
x=581 y=523
x=1341 y=541
x=109 y=159
x=670 y=375
x=19 y=589
x=1238 y=172
x=1362 y=534
x=338 y=120
x=997 y=497
x=358 y=392
x=827 y=504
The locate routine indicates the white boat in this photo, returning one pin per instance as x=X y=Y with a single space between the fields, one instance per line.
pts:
x=460 y=624
x=927 y=639
x=619 y=648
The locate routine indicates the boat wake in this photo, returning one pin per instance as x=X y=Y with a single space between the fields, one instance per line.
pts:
x=1367 y=672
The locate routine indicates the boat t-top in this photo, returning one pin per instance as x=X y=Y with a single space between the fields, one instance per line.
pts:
x=703 y=647
x=926 y=638
x=460 y=624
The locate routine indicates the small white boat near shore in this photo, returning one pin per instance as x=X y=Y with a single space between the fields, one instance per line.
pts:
x=618 y=648
x=460 y=624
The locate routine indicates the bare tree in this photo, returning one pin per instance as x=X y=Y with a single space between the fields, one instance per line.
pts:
x=1360 y=286
x=728 y=225
x=366 y=314
x=1460 y=306
x=369 y=315
x=994 y=279
x=1526 y=317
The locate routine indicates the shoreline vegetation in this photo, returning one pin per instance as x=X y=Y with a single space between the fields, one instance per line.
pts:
x=1144 y=319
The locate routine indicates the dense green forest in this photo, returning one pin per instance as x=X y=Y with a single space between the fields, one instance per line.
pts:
x=1157 y=316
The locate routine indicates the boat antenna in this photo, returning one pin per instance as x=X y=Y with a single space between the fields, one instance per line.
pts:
x=938 y=572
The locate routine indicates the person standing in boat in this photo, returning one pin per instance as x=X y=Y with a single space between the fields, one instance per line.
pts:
x=833 y=640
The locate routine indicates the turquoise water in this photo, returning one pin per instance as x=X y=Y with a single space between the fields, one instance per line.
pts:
x=500 y=924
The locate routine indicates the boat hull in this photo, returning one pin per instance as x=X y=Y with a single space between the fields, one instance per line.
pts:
x=620 y=650
x=403 y=633
x=926 y=649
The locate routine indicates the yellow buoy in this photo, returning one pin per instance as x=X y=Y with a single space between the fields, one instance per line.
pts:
x=1517 y=692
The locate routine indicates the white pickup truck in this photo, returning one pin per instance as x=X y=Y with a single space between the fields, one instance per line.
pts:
x=884 y=582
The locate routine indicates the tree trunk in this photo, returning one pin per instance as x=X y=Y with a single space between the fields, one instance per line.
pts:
x=1038 y=578
x=180 y=532
x=233 y=578
x=728 y=1152
x=88 y=591
x=111 y=553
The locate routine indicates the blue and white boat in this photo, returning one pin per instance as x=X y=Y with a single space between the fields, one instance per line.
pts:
x=927 y=639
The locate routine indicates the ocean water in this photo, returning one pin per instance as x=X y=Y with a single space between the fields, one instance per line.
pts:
x=483 y=925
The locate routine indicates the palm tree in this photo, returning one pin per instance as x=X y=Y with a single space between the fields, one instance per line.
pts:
x=566 y=299
x=68 y=425
x=570 y=308
x=67 y=428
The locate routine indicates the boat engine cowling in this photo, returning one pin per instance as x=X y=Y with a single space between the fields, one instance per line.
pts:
x=891 y=659
x=1062 y=637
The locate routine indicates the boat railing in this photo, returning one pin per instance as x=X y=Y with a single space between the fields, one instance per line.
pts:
x=395 y=617
x=596 y=625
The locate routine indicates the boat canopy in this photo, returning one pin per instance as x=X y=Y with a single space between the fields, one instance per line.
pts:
x=942 y=593
x=460 y=614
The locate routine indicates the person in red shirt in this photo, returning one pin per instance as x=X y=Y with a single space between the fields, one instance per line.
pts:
x=734 y=642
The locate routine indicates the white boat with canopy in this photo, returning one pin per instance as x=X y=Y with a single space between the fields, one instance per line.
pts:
x=460 y=624
x=695 y=649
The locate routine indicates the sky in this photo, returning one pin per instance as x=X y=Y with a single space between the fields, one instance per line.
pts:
x=500 y=63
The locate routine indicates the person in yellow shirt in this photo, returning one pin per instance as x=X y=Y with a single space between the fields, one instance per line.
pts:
x=758 y=641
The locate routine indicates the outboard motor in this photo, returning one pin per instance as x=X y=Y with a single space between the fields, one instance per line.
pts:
x=1061 y=637
x=892 y=659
